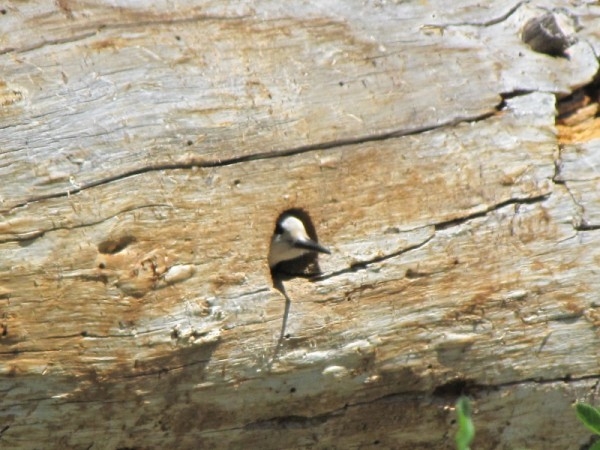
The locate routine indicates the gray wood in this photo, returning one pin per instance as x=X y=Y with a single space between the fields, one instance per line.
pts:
x=146 y=151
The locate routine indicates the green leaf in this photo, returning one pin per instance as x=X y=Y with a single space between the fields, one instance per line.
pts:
x=589 y=416
x=595 y=446
x=466 y=429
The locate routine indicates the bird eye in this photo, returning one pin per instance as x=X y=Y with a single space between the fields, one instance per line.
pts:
x=278 y=228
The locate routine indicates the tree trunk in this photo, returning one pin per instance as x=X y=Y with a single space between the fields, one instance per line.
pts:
x=146 y=152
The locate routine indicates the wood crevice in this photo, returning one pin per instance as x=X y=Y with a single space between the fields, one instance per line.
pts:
x=194 y=163
x=487 y=23
x=362 y=265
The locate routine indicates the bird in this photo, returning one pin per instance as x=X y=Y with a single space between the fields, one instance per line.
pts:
x=291 y=241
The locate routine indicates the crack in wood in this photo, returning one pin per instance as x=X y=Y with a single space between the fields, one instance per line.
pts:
x=290 y=422
x=67 y=40
x=19 y=351
x=363 y=265
x=579 y=222
x=451 y=391
x=568 y=378
x=165 y=370
x=583 y=226
x=196 y=162
x=511 y=201
x=35 y=234
x=487 y=23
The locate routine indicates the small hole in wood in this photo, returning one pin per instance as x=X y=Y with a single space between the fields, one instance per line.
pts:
x=454 y=388
x=112 y=246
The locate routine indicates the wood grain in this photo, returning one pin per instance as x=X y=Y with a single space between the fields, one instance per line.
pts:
x=146 y=152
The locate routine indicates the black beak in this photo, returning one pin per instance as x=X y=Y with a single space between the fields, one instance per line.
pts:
x=312 y=246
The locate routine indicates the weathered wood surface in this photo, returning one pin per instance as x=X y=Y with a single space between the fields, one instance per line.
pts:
x=145 y=153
